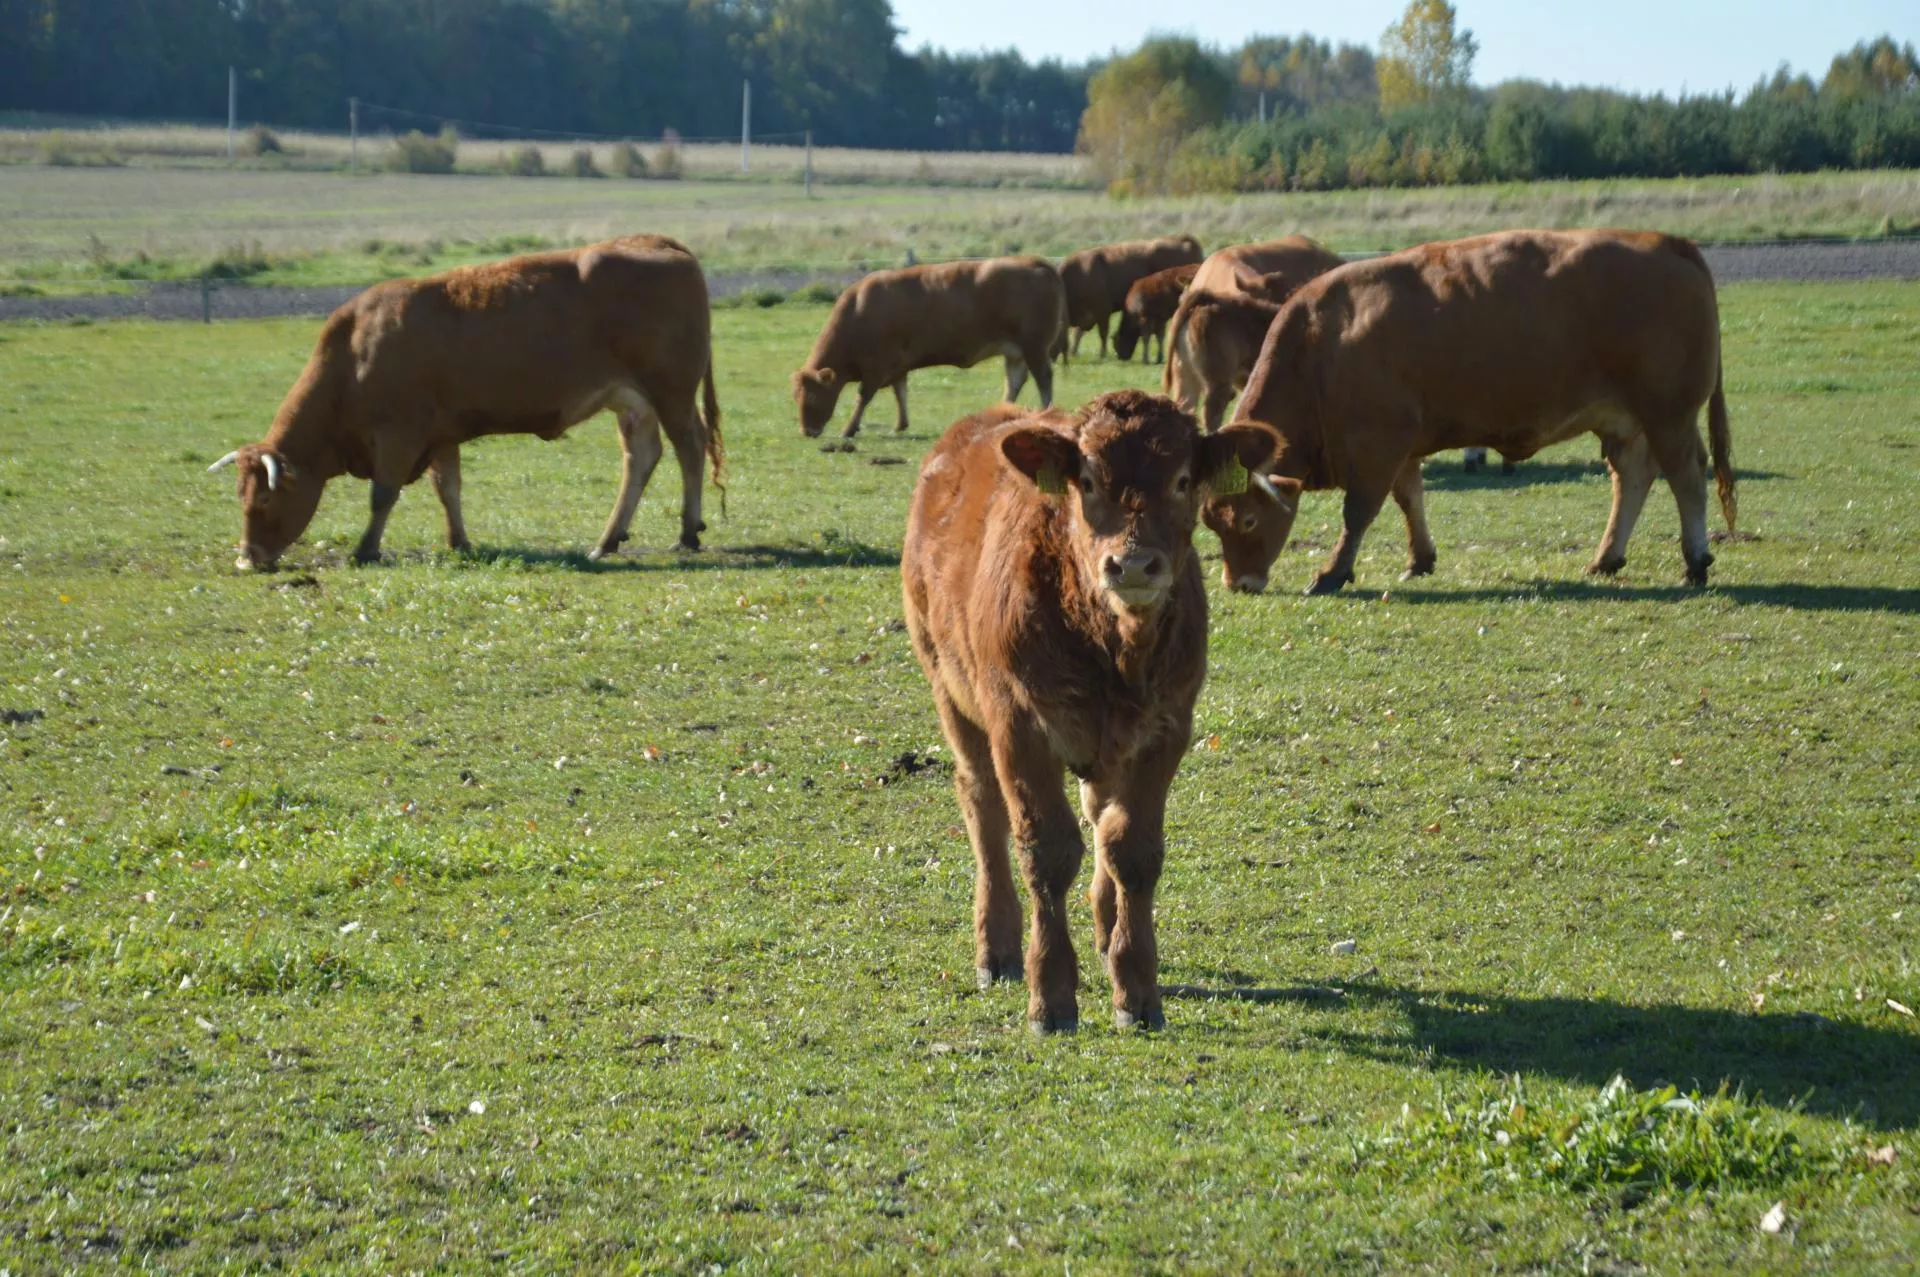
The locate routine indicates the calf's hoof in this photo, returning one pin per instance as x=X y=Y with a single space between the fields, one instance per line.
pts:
x=999 y=971
x=1048 y=1025
x=1151 y=1020
x=1419 y=567
x=900 y=427
x=1606 y=567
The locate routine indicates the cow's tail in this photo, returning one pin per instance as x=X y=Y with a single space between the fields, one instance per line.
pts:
x=1720 y=438
x=1174 y=344
x=716 y=447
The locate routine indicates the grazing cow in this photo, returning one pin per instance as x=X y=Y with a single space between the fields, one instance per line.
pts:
x=1513 y=341
x=409 y=370
x=1150 y=304
x=1222 y=338
x=1269 y=271
x=957 y=314
x=1097 y=279
x=1055 y=603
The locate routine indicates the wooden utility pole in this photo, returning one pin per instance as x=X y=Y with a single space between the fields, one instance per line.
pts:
x=809 y=168
x=746 y=122
x=353 y=132
x=233 y=108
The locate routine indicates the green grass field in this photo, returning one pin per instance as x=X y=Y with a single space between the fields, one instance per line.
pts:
x=78 y=229
x=511 y=910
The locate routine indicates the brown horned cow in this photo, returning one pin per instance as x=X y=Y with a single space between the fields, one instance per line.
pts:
x=409 y=370
x=957 y=314
x=1512 y=341
x=1055 y=603
x=1150 y=304
x=1097 y=279
x=1268 y=271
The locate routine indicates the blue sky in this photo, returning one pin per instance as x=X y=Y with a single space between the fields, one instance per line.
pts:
x=1640 y=45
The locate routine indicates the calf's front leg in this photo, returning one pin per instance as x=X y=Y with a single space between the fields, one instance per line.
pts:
x=1129 y=850
x=1048 y=839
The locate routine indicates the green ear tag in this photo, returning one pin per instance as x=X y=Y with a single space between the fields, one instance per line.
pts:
x=1050 y=481
x=1230 y=480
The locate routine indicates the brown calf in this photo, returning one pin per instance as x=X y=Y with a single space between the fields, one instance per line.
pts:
x=1150 y=304
x=957 y=313
x=1056 y=605
x=1097 y=279
x=409 y=370
x=1270 y=271
x=1513 y=341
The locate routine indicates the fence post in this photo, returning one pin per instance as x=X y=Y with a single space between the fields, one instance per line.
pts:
x=809 y=168
x=233 y=108
x=746 y=121
x=353 y=131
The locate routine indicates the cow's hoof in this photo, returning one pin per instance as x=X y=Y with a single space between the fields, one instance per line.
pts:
x=1151 y=1020
x=1419 y=567
x=1048 y=1025
x=702 y=526
x=999 y=971
x=690 y=541
x=365 y=560
x=1508 y=467
x=899 y=427
x=1606 y=567
x=1697 y=573
x=1326 y=583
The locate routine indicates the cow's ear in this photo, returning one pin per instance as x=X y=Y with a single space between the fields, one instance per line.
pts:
x=1227 y=458
x=1045 y=456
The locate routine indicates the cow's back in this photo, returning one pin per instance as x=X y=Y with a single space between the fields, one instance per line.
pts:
x=1516 y=335
x=1231 y=270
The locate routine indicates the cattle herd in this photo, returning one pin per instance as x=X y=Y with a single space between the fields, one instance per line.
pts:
x=1050 y=583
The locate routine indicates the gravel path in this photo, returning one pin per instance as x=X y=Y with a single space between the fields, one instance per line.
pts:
x=1732 y=263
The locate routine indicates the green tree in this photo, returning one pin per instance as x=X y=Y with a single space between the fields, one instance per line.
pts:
x=1874 y=69
x=1141 y=107
x=1423 y=58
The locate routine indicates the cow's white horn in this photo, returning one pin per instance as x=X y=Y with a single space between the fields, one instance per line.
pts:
x=1266 y=487
x=273 y=470
x=227 y=460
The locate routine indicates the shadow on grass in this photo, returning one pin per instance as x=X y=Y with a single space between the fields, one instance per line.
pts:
x=834 y=554
x=1801 y=598
x=1829 y=1067
x=1448 y=476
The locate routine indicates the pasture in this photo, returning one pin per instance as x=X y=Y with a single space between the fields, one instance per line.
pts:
x=82 y=229
x=511 y=909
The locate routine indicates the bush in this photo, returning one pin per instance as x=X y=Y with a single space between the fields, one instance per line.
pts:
x=418 y=153
x=261 y=140
x=667 y=160
x=581 y=164
x=627 y=161
x=524 y=161
x=62 y=149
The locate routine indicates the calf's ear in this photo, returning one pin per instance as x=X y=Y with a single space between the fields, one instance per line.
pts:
x=1227 y=458
x=1045 y=456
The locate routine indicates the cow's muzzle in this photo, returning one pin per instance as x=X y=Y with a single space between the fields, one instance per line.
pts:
x=1139 y=578
x=1247 y=582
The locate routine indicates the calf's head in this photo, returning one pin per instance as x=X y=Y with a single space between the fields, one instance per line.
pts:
x=815 y=392
x=276 y=503
x=1126 y=336
x=1134 y=469
x=1253 y=526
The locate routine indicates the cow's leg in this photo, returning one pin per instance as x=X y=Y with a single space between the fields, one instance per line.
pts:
x=1017 y=366
x=1048 y=839
x=1129 y=849
x=1365 y=495
x=1103 y=336
x=1073 y=344
x=1676 y=446
x=641 y=449
x=1093 y=802
x=900 y=402
x=996 y=905
x=1473 y=460
x=384 y=495
x=1410 y=491
x=1214 y=405
x=1631 y=462
x=689 y=439
x=445 y=468
x=859 y=410
x=1036 y=362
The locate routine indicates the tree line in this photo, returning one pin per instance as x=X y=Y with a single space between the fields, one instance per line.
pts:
x=1173 y=116
x=618 y=68
x=1276 y=113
